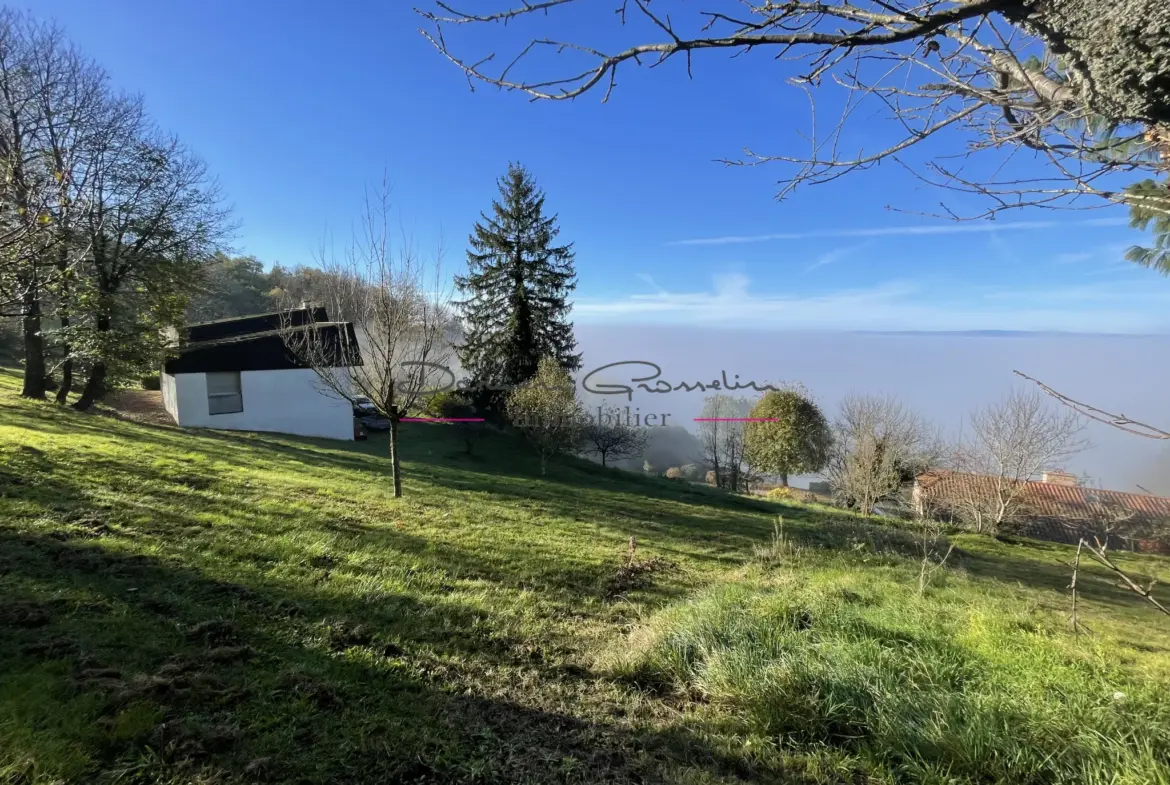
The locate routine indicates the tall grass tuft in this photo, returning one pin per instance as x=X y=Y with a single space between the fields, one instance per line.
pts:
x=779 y=547
x=922 y=689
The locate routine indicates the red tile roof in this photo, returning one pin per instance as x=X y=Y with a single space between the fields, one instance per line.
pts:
x=1053 y=500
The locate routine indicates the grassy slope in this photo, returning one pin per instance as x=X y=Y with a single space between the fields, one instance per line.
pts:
x=196 y=606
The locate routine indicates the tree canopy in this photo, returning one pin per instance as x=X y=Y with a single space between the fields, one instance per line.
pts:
x=515 y=303
x=795 y=439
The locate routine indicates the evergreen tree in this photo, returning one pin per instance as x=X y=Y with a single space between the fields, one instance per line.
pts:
x=515 y=294
x=1149 y=203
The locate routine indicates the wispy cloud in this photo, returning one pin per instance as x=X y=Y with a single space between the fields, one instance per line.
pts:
x=650 y=280
x=835 y=255
x=1120 y=306
x=1107 y=252
x=902 y=231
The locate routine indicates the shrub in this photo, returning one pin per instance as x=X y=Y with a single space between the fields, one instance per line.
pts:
x=780 y=493
x=443 y=404
x=547 y=410
x=691 y=472
x=710 y=478
x=151 y=382
x=634 y=573
x=456 y=405
x=674 y=473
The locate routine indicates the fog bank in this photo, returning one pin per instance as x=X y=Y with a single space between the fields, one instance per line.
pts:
x=942 y=375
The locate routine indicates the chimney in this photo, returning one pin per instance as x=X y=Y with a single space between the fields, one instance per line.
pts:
x=1058 y=477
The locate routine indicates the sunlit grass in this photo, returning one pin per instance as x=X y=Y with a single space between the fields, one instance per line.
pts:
x=190 y=606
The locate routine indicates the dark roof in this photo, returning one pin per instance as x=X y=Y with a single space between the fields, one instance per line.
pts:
x=258 y=343
x=254 y=323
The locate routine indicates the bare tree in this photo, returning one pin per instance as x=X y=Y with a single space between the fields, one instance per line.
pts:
x=81 y=118
x=111 y=215
x=1065 y=81
x=1010 y=442
x=399 y=307
x=608 y=437
x=723 y=438
x=930 y=542
x=155 y=218
x=879 y=445
x=26 y=186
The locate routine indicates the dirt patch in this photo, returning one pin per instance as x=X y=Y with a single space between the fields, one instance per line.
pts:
x=187 y=740
x=214 y=632
x=82 y=524
x=141 y=406
x=30 y=615
x=344 y=635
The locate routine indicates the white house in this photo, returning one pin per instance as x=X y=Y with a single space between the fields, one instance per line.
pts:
x=238 y=374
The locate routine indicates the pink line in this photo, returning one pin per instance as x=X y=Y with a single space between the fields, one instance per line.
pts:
x=737 y=419
x=442 y=419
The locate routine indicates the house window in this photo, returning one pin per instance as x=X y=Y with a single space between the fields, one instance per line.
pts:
x=223 y=393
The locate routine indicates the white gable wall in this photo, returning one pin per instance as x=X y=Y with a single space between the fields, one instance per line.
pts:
x=288 y=401
x=170 y=402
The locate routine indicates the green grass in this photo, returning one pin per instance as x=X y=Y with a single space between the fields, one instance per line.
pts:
x=198 y=607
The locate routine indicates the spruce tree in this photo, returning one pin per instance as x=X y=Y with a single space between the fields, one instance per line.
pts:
x=515 y=294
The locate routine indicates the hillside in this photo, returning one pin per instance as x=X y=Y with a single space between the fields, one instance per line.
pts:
x=198 y=607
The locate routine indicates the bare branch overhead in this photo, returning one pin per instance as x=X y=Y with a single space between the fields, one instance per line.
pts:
x=1119 y=421
x=1010 y=74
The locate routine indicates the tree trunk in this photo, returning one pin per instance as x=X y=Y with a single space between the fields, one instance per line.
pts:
x=395 y=466
x=1117 y=51
x=95 y=387
x=34 y=346
x=63 y=295
x=783 y=479
x=603 y=458
x=66 y=371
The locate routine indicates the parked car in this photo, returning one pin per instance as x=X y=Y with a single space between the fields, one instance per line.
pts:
x=369 y=416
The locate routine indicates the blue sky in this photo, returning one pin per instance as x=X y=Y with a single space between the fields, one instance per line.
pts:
x=296 y=105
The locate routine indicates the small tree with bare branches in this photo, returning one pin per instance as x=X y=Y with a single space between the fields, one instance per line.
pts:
x=609 y=437
x=398 y=304
x=879 y=444
x=1011 y=441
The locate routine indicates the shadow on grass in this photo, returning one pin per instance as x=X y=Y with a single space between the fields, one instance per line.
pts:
x=503 y=467
x=1045 y=566
x=157 y=670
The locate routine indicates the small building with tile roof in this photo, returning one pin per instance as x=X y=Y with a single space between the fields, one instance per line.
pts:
x=1057 y=507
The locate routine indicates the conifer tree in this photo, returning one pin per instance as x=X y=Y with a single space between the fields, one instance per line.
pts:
x=1149 y=203
x=515 y=294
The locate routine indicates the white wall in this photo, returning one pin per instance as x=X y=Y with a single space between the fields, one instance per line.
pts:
x=281 y=401
x=170 y=402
